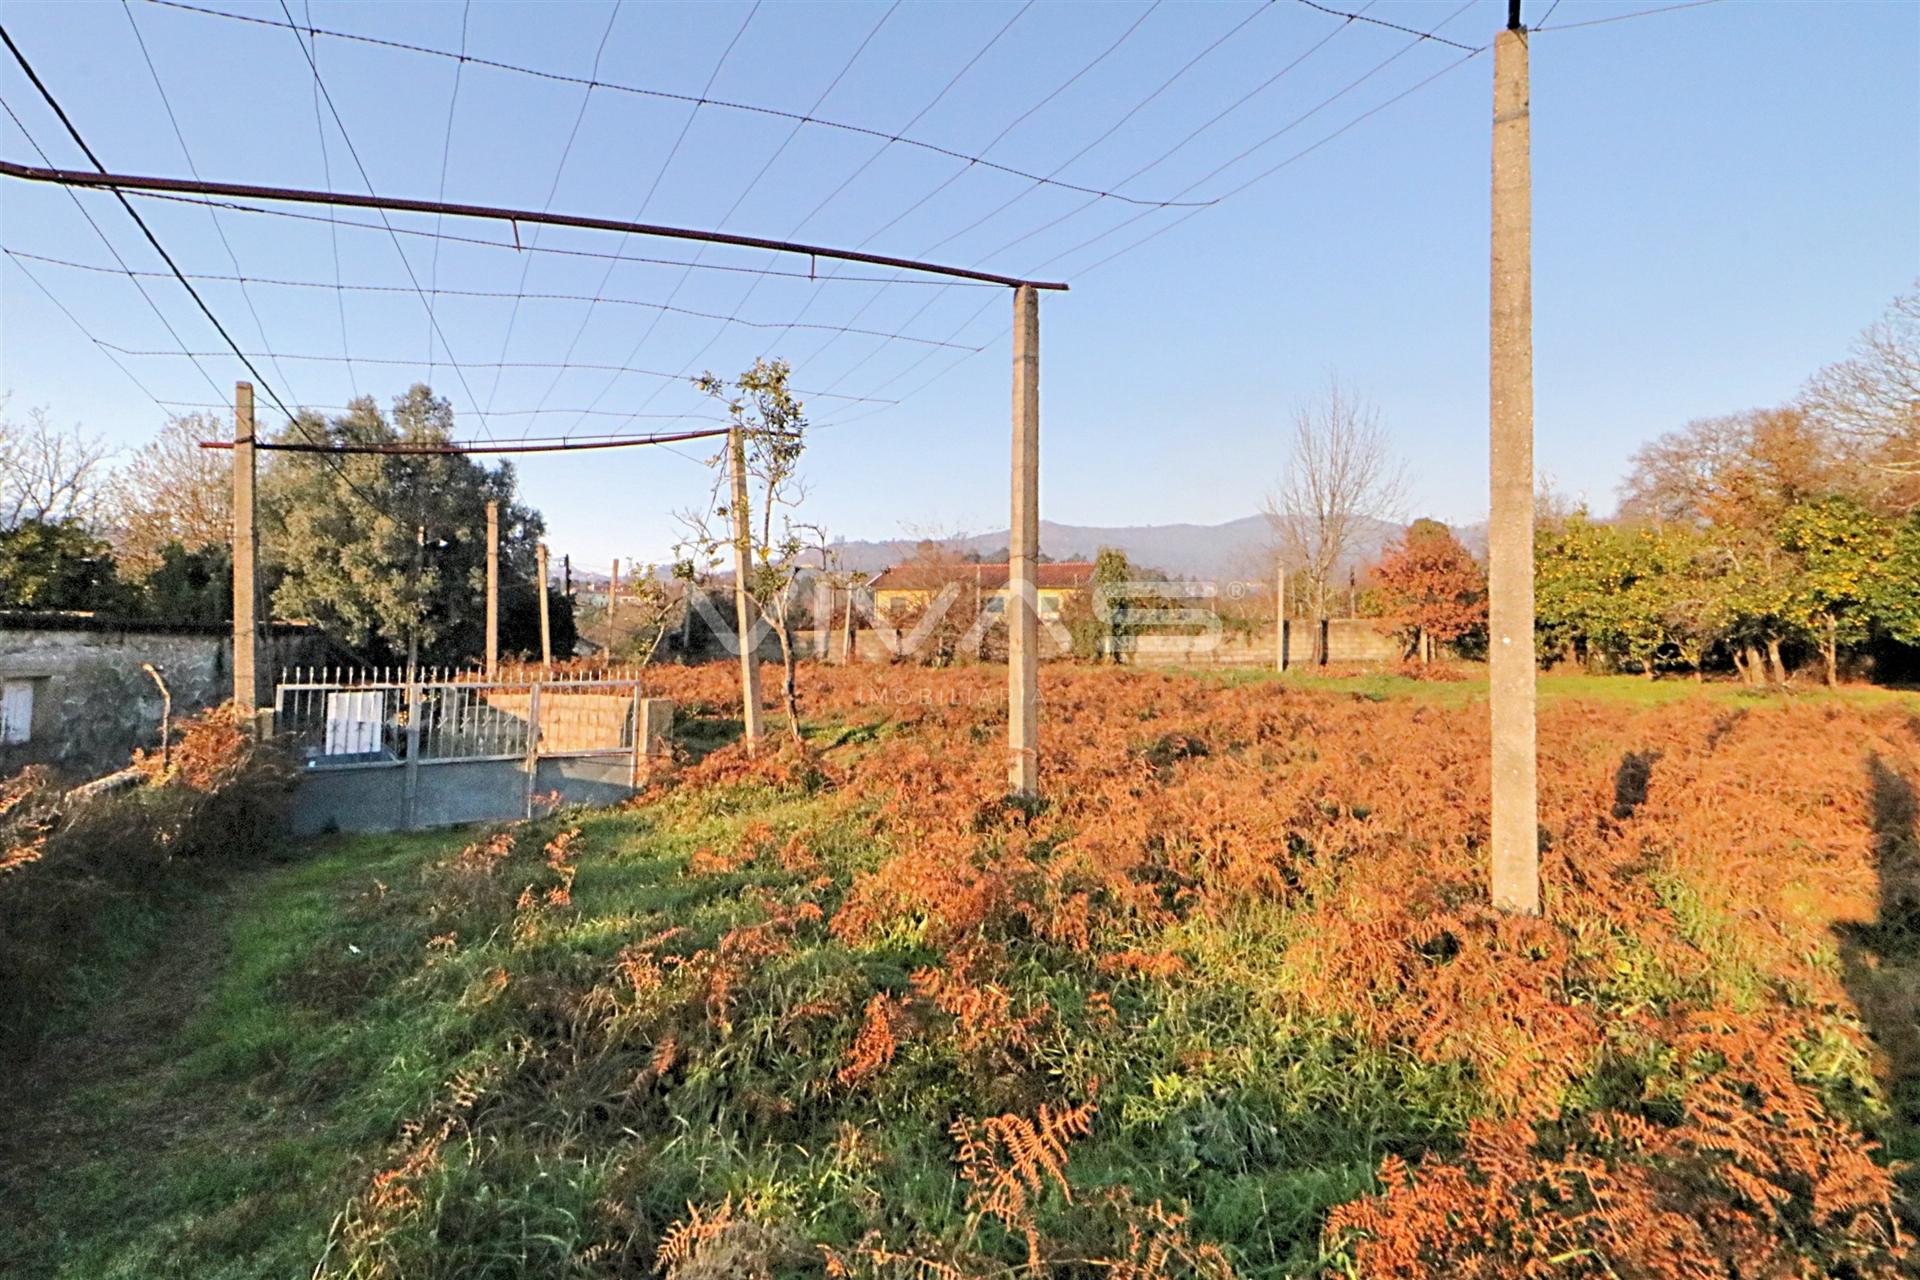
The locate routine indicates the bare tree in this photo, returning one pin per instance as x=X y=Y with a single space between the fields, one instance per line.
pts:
x=1341 y=476
x=173 y=491
x=48 y=474
x=1874 y=394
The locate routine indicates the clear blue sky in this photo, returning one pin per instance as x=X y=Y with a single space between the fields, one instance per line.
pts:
x=1724 y=196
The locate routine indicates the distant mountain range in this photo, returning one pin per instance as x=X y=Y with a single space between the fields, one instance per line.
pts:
x=1237 y=548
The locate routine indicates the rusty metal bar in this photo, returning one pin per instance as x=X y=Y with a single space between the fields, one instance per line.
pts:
x=123 y=182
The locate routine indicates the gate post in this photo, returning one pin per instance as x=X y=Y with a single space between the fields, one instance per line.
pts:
x=533 y=742
x=412 y=795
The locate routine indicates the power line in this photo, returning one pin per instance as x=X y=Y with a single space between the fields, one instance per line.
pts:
x=661 y=94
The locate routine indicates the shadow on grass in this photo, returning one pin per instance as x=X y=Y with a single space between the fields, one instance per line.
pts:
x=1882 y=966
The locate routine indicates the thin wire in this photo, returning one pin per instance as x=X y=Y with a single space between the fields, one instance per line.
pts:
x=1011 y=201
x=332 y=221
x=938 y=97
x=1391 y=26
x=700 y=100
x=446 y=154
x=1549 y=17
x=354 y=152
x=98 y=231
x=559 y=170
x=1622 y=17
x=133 y=213
x=497 y=294
x=219 y=230
x=1282 y=131
x=752 y=183
x=88 y=333
x=405 y=363
x=451 y=237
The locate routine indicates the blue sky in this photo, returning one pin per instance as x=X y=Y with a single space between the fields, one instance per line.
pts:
x=1724 y=196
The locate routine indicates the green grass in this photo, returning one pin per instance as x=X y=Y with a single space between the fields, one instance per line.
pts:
x=227 y=1147
x=1555 y=686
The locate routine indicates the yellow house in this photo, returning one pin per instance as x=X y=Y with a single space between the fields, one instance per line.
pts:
x=904 y=589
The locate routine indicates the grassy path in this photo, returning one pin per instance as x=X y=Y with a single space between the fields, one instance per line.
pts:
x=146 y=1139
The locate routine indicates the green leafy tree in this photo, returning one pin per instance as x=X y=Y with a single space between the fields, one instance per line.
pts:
x=381 y=548
x=58 y=564
x=1844 y=551
x=1896 y=597
x=194 y=586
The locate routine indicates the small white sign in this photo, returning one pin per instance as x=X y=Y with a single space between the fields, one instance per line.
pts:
x=354 y=722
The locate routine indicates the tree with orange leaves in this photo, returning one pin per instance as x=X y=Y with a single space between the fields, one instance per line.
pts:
x=1430 y=588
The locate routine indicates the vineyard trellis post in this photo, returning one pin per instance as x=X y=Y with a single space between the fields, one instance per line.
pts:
x=1023 y=549
x=493 y=589
x=546 y=626
x=742 y=603
x=246 y=545
x=1510 y=658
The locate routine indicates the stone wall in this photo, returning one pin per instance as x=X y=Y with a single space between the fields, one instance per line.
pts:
x=92 y=702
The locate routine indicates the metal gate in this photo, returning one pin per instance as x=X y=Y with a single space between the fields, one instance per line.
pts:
x=397 y=754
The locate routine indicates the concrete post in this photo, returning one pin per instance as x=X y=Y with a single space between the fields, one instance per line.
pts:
x=546 y=629
x=493 y=589
x=613 y=608
x=1023 y=551
x=246 y=545
x=742 y=604
x=1516 y=848
x=1280 y=618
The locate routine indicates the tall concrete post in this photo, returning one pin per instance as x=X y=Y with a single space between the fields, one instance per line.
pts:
x=1516 y=848
x=1280 y=618
x=1023 y=552
x=546 y=628
x=742 y=603
x=246 y=546
x=613 y=607
x=493 y=588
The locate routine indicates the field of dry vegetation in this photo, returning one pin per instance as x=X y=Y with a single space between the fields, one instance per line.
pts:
x=1229 y=1001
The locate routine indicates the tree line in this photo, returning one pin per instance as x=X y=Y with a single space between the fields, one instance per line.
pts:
x=378 y=549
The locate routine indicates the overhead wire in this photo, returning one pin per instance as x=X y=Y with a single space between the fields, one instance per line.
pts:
x=662 y=94
x=331 y=218
x=1622 y=17
x=938 y=97
x=87 y=214
x=745 y=192
x=553 y=189
x=179 y=134
x=365 y=177
x=446 y=155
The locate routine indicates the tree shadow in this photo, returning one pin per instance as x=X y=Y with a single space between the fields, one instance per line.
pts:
x=1881 y=960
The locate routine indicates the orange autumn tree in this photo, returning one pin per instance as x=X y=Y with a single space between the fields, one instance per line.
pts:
x=1430 y=588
